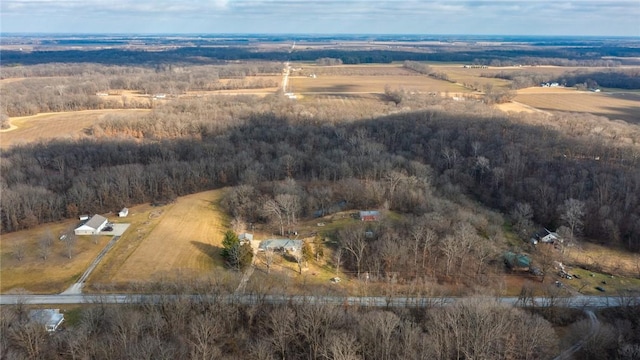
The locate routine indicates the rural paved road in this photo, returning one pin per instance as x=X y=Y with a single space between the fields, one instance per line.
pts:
x=285 y=76
x=588 y=302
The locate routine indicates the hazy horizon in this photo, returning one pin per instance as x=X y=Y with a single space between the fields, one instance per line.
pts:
x=357 y=17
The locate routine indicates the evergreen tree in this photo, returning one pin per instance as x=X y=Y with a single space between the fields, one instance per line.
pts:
x=237 y=256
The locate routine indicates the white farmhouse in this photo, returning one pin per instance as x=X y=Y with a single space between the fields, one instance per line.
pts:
x=93 y=226
x=49 y=318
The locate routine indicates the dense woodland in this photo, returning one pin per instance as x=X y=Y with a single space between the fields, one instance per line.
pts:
x=209 y=329
x=459 y=148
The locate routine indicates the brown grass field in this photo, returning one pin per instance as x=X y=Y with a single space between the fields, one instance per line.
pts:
x=54 y=275
x=363 y=79
x=615 y=107
x=359 y=84
x=459 y=74
x=48 y=126
x=179 y=239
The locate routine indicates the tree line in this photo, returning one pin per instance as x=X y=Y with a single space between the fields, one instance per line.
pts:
x=543 y=55
x=618 y=78
x=72 y=87
x=208 y=328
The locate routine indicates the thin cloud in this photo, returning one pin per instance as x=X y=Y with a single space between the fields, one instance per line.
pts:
x=329 y=16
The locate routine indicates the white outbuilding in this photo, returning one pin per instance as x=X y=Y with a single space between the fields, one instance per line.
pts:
x=93 y=226
x=124 y=212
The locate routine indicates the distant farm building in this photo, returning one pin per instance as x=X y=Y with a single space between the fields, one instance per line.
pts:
x=124 y=212
x=281 y=245
x=49 y=318
x=83 y=217
x=370 y=215
x=93 y=226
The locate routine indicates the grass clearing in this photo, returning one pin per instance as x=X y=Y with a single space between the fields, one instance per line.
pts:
x=603 y=259
x=54 y=275
x=47 y=126
x=589 y=280
x=180 y=239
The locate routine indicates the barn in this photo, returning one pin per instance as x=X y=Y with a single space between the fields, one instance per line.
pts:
x=93 y=226
x=372 y=215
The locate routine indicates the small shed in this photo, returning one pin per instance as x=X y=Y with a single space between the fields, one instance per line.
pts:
x=124 y=212
x=93 y=226
x=83 y=217
x=49 y=318
x=245 y=237
x=370 y=215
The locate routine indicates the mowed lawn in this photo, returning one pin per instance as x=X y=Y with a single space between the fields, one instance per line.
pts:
x=34 y=274
x=185 y=239
x=46 y=126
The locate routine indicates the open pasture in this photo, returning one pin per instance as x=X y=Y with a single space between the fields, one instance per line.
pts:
x=615 y=107
x=47 y=126
x=179 y=239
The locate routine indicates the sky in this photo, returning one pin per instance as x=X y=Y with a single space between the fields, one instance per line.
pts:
x=496 y=17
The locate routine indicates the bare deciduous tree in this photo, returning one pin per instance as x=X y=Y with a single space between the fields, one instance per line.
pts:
x=290 y=205
x=44 y=247
x=522 y=215
x=282 y=328
x=376 y=331
x=19 y=250
x=573 y=212
x=269 y=257
x=352 y=239
x=341 y=346
x=273 y=210
x=69 y=244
